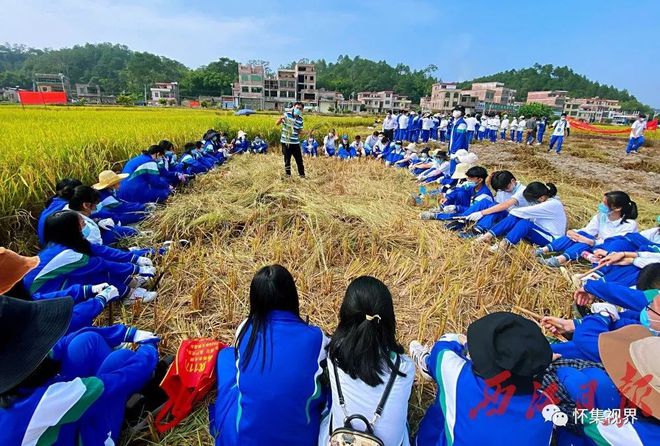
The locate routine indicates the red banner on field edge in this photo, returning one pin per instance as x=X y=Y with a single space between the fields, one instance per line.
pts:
x=575 y=124
x=41 y=98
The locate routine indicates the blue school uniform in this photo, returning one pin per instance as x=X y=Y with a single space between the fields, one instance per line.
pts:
x=310 y=148
x=280 y=404
x=259 y=146
x=144 y=183
x=453 y=418
x=86 y=306
x=343 y=153
x=55 y=205
x=117 y=209
x=466 y=199
x=457 y=141
x=192 y=166
x=241 y=145
x=541 y=131
x=84 y=404
x=61 y=267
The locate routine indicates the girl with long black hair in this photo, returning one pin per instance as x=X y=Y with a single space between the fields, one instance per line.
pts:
x=268 y=383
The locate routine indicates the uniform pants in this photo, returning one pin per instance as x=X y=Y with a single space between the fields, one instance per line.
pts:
x=555 y=139
x=570 y=249
x=539 y=136
x=634 y=144
x=290 y=150
x=519 y=135
x=517 y=229
x=425 y=135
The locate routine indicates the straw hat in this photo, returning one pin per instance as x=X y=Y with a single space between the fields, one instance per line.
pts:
x=241 y=134
x=108 y=178
x=412 y=147
x=461 y=152
x=630 y=356
x=460 y=171
x=14 y=267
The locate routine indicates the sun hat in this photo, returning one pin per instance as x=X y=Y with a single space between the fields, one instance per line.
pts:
x=469 y=158
x=108 y=178
x=412 y=147
x=507 y=342
x=29 y=331
x=461 y=152
x=240 y=134
x=460 y=172
x=14 y=267
x=630 y=356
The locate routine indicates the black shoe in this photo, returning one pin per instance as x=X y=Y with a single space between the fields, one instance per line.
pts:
x=455 y=225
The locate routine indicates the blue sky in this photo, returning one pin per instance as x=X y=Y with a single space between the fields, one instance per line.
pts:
x=613 y=42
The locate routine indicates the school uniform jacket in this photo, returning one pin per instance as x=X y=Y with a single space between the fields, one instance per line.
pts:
x=280 y=404
x=55 y=205
x=459 y=139
x=144 y=183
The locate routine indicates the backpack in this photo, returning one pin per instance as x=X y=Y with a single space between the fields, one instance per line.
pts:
x=190 y=377
x=349 y=436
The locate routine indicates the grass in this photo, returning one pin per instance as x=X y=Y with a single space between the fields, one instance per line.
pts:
x=40 y=145
x=347 y=219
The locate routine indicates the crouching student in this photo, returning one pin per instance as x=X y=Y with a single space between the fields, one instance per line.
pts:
x=259 y=145
x=310 y=147
x=357 y=147
x=70 y=390
x=240 y=144
x=397 y=153
x=506 y=355
x=509 y=195
x=67 y=258
x=616 y=216
x=330 y=143
x=543 y=221
x=110 y=206
x=472 y=189
x=89 y=300
x=344 y=151
x=367 y=367
x=371 y=142
x=63 y=193
x=269 y=389
x=189 y=161
x=144 y=183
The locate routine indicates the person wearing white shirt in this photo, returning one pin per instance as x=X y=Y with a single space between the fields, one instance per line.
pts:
x=504 y=126
x=636 y=135
x=539 y=223
x=390 y=124
x=363 y=357
x=561 y=127
x=444 y=123
x=514 y=127
x=358 y=146
x=509 y=195
x=483 y=128
x=371 y=142
x=330 y=143
x=616 y=216
x=427 y=123
x=471 y=122
x=520 y=129
x=495 y=126
x=403 y=126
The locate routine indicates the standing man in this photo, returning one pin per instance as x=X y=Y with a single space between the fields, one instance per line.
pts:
x=292 y=124
x=561 y=127
x=504 y=127
x=530 y=126
x=472 y=123
x=389 y=125
x=458 y=138
x=427 y=123
x=541 y=130
x=636 y=134
x=403 y=126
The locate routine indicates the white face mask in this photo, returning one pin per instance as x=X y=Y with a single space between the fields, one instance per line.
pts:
x=456 y=114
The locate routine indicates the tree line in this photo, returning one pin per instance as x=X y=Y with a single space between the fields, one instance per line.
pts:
x=119 y=70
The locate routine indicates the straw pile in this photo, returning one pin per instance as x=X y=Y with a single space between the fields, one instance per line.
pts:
x=347 y=219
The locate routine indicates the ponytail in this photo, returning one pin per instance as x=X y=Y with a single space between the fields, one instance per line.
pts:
x=620 y=199
x=536 y=190
x=152 y=150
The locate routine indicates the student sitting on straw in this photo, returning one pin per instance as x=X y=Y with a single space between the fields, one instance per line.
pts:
x=616 y=216
x=63 y=193
x=110 y=206
x=68 y=259
x=371 y=142
x=437 y=169
x=190 y=163
x=168 y=166
x=396 y=153
x=240 y=144
x=485 y=214
x=357 y=148
x=259 y=145
x=144 y=183
x=344 y=150
x=363 y=356
x=330 y=143
x=506 y=355
x=639 y=307
x=269 y=384
x=70 y=390
x=460 y=202
x=410 y=156
x=543 y=221
x=310 y=147
x=89 y=300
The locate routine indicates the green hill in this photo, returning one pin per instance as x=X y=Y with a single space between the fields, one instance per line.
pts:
x=548 y=77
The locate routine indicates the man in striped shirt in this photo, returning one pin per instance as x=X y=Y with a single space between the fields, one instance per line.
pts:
x=292 y=124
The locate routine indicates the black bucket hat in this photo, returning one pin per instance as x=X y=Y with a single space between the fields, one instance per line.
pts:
x=506 y=341
x=29 y=331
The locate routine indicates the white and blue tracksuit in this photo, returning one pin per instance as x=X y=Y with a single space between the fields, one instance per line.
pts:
x=467 y=200
x=636 y=136
x=539 y=224
x=84 y=404
x=259 y=146
x=540 y=130
x=56 y=204
x=486 y=222
x=241 y=145
x=61 y=267
x=560 y=127
x=119 y=210
x=144 y=183
x=457 y=141
x=310 y=147
x=454 y=418
x=280 y=403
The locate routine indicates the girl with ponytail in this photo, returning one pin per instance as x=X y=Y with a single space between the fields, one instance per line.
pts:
x=63 y=193
x=362 y=356
x=616 y=216
x=540 y=223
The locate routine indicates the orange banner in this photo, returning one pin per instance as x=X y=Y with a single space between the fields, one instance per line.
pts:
x=575 y=124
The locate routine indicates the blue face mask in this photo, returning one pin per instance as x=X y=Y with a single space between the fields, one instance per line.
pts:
x=297 y=112
x=603 y=209
x=469 y=184
x=644 y=320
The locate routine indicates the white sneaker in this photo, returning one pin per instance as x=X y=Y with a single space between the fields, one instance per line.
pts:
x=140 y=294
x=494 y=248
x=419 y=353
x=140 y=281
x=599 y=307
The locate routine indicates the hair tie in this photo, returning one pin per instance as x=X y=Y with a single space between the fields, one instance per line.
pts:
x=371 y=318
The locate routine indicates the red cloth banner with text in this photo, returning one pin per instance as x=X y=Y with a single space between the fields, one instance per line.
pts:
x=41 y=98
x=575 y=124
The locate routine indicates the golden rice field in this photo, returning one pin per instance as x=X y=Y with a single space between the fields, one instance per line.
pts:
x=39 y=145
